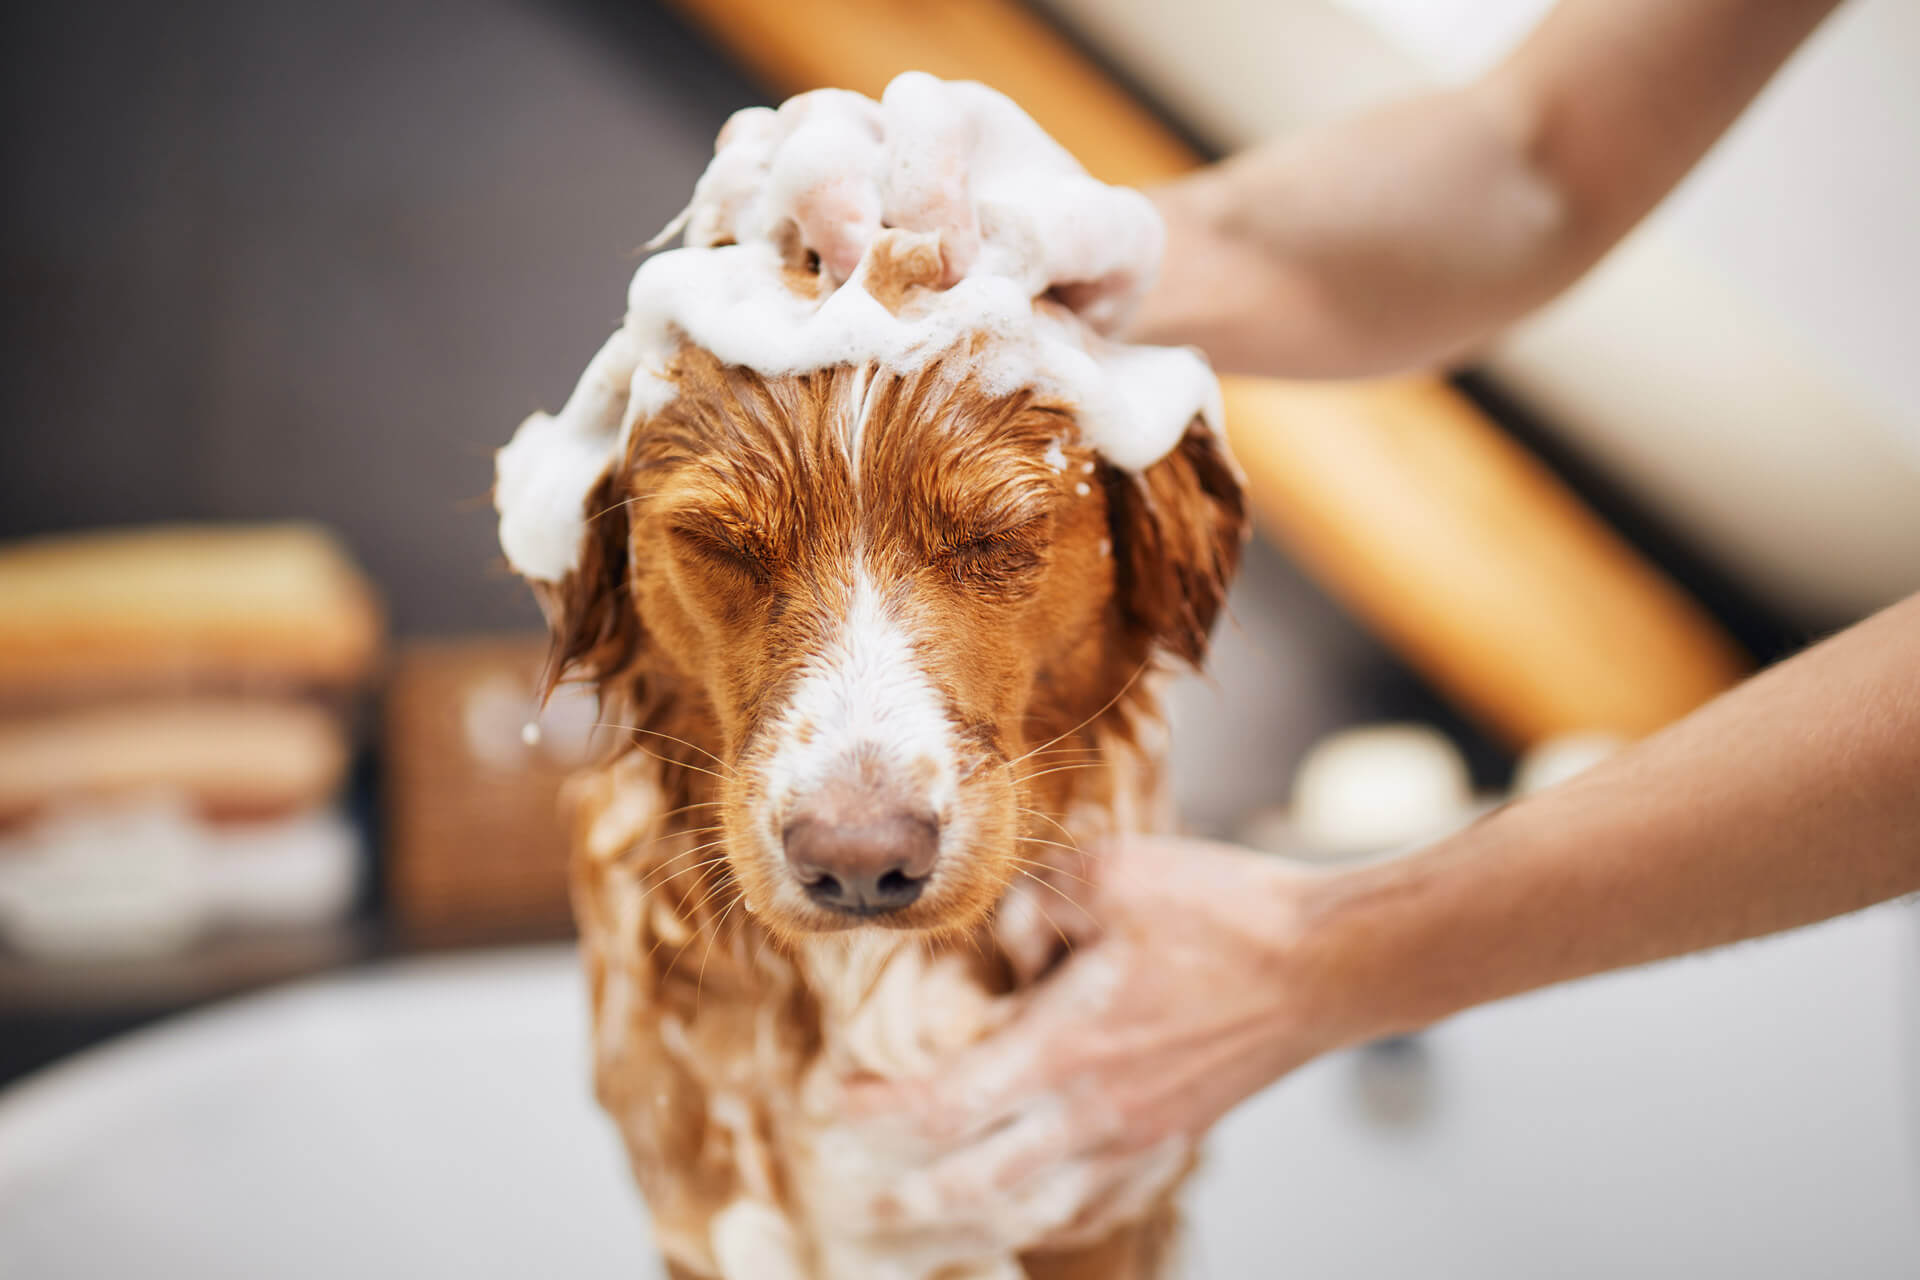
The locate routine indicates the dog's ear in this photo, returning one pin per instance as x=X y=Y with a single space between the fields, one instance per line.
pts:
x=1178 y=528
x=593 y=630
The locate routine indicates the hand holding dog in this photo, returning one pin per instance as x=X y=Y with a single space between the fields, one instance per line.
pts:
x=1200 y=973
x=1185 y=991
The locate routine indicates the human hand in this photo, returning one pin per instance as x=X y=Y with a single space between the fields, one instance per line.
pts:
x=952 y=162
x=1189 y=987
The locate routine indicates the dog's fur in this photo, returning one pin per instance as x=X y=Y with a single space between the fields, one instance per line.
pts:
x=754 y=529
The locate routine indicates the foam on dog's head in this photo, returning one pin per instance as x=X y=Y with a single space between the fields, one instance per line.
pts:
x=940 y=223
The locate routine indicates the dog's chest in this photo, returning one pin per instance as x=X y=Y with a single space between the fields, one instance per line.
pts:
x=719 y=1054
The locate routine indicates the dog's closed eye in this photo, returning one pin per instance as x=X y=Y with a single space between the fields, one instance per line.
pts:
x=999 y=559
x=726 y=546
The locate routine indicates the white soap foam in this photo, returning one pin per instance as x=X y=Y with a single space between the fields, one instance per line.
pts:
x=1035 y=256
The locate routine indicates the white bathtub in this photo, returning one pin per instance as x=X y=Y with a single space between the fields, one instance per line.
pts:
x=1743 y=1114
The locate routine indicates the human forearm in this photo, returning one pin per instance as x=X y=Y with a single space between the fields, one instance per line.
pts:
x=1791 y=799
x=1383 y=242
x=1201 y=973
x=1408 y=236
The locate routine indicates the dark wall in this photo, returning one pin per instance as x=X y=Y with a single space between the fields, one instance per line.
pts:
x=290 y=259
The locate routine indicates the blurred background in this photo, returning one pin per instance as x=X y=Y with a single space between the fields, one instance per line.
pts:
x=272 y=263
x=276 y=278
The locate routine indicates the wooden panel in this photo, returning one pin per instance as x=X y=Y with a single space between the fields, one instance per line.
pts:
x=1471 y=559
x=1486 y=573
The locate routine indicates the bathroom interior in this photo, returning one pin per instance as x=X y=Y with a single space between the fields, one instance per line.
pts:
x=280 y=278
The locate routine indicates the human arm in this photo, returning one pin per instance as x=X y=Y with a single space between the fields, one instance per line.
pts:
x=1792 y=799
x=1204 y=973
x=1408 y=236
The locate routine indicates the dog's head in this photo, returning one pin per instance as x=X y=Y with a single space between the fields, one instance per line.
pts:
x=869 y=596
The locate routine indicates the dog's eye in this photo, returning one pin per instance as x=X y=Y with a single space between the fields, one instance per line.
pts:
x=999 y=558
x=725 y=548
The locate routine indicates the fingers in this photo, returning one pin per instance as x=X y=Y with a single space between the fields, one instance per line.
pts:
x=824 y=173
x=927 y=183
x=1133 y=1185
x=954 y=161
x=1016 y=1189
x=1020 y=1140
x=979 y=1090
x=1034 y=1055
x=1017 y=1184
x=977 y=1176
x=1087 y=242
x=1060 y=1127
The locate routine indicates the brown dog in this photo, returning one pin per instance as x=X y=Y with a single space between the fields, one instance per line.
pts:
x=875 y=646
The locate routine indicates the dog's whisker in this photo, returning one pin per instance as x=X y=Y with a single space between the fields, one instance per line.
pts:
x=641 y=847
x=1065 y=941
x=649 y=868
x=713 y=892
x=662 y=881
x=1051 y=869
x=681 y=764
x=689 y=852
x=1061 y=768
x=1070 y=848
x=1087 y=748
x=1054 y=868
x=1104 y=708
x=1067 y=752
x=1047 y=817
x=700 y=982
x=708 y=927
x=671 y=763
x=697 y=804
x=684 y=912
x=1052 y=758
x=632 y=728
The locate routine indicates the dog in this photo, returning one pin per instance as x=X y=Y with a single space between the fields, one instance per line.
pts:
x=878 y=648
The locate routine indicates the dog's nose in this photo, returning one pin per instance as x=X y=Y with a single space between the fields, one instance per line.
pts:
x=866 y=863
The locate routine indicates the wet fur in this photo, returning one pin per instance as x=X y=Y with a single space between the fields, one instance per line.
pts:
x=716 y=562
